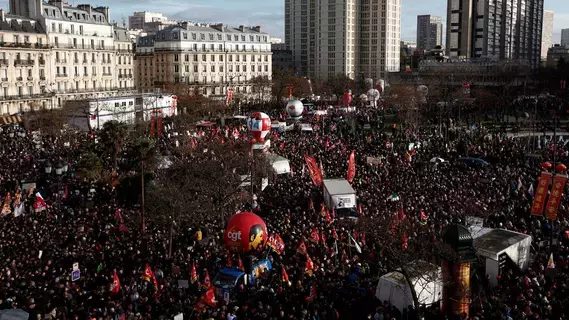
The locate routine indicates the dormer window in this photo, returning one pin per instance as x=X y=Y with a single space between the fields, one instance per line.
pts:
x=202 y=36
x=211 y=36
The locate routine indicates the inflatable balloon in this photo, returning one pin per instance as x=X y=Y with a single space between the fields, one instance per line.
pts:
x=260 y=125
x=294 y=108
x=246 y=232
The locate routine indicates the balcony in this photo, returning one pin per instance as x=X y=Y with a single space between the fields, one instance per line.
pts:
x=62 y=61
x=85 y=61
x=26 y=96
x=42 y=62
x=30 y=78
x=42 y=78
x=105 y=48
x=107 y=74
x=19 y=78
x=75 y=61
x=93 y=61
x=4 y=62
x=77 y=75
x=61 y=75
x=125 y=50
x=4 y=79
x=24 y=62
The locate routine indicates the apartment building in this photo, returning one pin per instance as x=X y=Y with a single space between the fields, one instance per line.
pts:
x=79 y=50
x=565 y=37
x=124 y=48
x=357 y=38
x=209 y=57
x=547 y=33
x=143 y=19
x=24 y=65
x=429 y=31
x=501 y=29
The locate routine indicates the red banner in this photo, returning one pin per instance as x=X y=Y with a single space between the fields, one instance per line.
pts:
x=313 y=169
x=159 y=127
x=540 y=194
x=152 y=126
x=276 y=243
x=351 y=167
x=559 y=182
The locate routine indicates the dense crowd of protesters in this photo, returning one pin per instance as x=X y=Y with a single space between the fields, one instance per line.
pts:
x=38 y=249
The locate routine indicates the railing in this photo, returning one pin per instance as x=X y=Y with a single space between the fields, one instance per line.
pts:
x=107 y=74
x=4 y=79
x=77 y=75
x=4 y=62
x=122 y=76
x=42 y=61
x=27 y=96
x=24 y=62
x=60 y=61
x=61 y=75
x=125 y=50
x=19 y=79
x=105 y=48
x=211 y=50
x=24 y=45
x=99 y=89
x=42 y=78
x=30 y=78
x=76 y=61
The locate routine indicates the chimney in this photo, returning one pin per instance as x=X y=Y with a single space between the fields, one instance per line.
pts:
x=241 y=28
x=257 y=28
x=2 y=15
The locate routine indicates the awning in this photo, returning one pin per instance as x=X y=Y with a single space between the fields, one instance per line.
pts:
x=11 y=119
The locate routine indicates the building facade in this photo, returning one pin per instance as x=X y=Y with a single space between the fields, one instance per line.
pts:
x=507 y=29
x=555 y=53
x=139 y=20
x=25 y=65
x=429 y=32
x=565 y=37
x=124 y=49
x=546 y=33
x=282 y=57
x=78 y=50
x=357 y=38
x=212 y=58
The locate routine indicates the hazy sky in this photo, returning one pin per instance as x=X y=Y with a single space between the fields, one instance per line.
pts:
x=269 y=14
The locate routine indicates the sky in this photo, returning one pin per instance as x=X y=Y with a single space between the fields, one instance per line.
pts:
x=269 y=14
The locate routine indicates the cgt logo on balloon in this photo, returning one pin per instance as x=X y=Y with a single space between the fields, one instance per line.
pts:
x=234 y=235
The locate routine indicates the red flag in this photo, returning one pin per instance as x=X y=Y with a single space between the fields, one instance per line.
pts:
x=351 y=167
x=284 y=275
x=40 y=204
x=541 y=193
x=328 y=218
x=152 y=120
x=207 y=299
x=206 y=281
x=423 y=217
x=311 y=205
x=228 y=262
x=159 y=127
x=116 y=285
x=240 y=264
x=313 y=294
x=315 y=235
x=404 y=245
x=323 y=239
x=302 y=248
x=323 y=210
x=309 y=267
x=193 y=274
x=401 y=214
x=360 y=210
x=334 y=233
x=313 y=169
x=149 y=276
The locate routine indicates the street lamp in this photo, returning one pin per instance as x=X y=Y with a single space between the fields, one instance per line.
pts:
x=59 y=169
x=48 y=168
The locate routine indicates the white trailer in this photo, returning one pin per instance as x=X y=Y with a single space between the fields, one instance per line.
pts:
x=340 y=196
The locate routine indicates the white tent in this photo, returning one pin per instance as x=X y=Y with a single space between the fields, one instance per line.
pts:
x=426 y=279
x=497 y=244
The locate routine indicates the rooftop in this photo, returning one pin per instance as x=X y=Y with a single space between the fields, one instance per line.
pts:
x=498 y=240
x=84 y=13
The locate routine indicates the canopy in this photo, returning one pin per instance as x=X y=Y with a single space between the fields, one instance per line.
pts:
x=437 y=160
x=14 y=314
x=427 y=282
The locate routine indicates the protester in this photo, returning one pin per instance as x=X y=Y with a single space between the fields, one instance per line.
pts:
x=124 y=275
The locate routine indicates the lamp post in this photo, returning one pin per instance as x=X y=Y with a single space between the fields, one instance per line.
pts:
x=48 y=168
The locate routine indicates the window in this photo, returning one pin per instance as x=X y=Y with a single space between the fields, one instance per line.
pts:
x=244 y=58
x=176 y=57
x=266 y=68
x=221 y=69
x=221 y=58
x=237 y=68
x=195 y=68
x=230 y=58
x=80 y=29
x=176 y=68
x=202 y=36
x=204 y=68
x=212 y=68
x=196 y=57
x=219 y=37
x=187 y=68
x=175 y=35
x=185 y=35
x=213 y=58
x=204 y=57
x=72 y=29
x=252 y=68
x=211 y=36
x=193 y=36
x=244 y=68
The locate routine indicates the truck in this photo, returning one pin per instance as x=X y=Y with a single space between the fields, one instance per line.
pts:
x=229 y=278
x=340 y=197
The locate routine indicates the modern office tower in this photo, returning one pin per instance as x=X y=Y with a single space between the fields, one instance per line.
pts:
x=565 y=37
x=357 y=38
x=502 y=29
x=547 y=33
x=429 y=32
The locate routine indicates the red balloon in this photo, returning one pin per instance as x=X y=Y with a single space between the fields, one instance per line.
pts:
x=245 y=232
x=561 y=167
x=546 y=165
